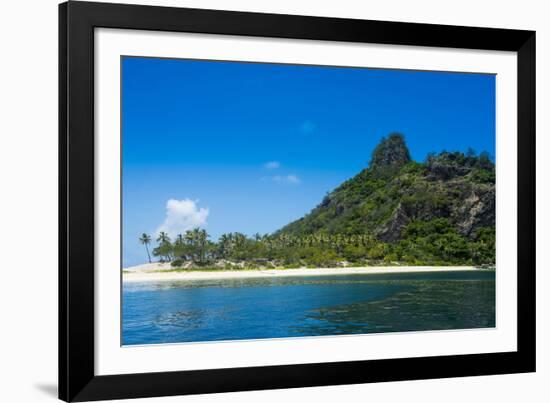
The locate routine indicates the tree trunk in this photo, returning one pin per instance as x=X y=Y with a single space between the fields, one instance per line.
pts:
x=148 y=255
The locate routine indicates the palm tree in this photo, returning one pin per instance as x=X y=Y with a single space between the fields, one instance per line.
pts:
x=145 y=239
x=225 y=245
x=203 y=239
x=200 y=239
x=163 y=237
x=179 y=247
x=165 y=247
x=197 y=239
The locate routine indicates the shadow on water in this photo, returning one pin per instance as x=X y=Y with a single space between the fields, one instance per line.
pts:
x=427 y=306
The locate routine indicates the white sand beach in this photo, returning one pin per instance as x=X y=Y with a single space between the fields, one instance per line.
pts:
x=161 y=272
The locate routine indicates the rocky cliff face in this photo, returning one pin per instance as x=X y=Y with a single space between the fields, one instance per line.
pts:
x=391 y=153
x=395 y=191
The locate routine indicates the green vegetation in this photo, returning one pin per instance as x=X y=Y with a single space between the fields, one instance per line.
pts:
x=146 y=240
x=397 y=211
x=433 y=242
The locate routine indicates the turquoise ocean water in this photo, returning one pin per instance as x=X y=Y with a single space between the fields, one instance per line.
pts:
x=259 y=308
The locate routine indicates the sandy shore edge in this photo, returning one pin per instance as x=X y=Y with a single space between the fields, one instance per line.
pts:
x=147 y=273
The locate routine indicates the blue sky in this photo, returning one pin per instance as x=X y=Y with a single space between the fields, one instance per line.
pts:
x=249 y=147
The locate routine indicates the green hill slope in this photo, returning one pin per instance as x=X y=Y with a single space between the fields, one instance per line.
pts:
x=444 y=207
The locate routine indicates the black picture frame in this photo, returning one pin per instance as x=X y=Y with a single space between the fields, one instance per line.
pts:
x=77 y=379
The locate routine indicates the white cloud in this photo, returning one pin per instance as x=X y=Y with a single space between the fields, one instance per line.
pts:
x=308 y=127
x=182 y=215
x=272 y=165
x=293 y=179
x=286 y=179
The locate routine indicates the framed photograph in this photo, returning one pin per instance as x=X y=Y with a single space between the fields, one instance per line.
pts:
x=256 y=201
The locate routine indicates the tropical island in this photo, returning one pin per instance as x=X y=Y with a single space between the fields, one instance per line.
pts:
x=396 y=212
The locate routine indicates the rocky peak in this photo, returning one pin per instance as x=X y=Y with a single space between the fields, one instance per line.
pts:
x=390 y=153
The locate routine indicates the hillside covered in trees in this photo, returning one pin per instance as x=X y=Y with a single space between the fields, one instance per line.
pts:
x=395 y=211
x=441 y=209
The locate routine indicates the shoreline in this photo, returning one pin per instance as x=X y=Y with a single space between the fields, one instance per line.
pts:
x=155 y=272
